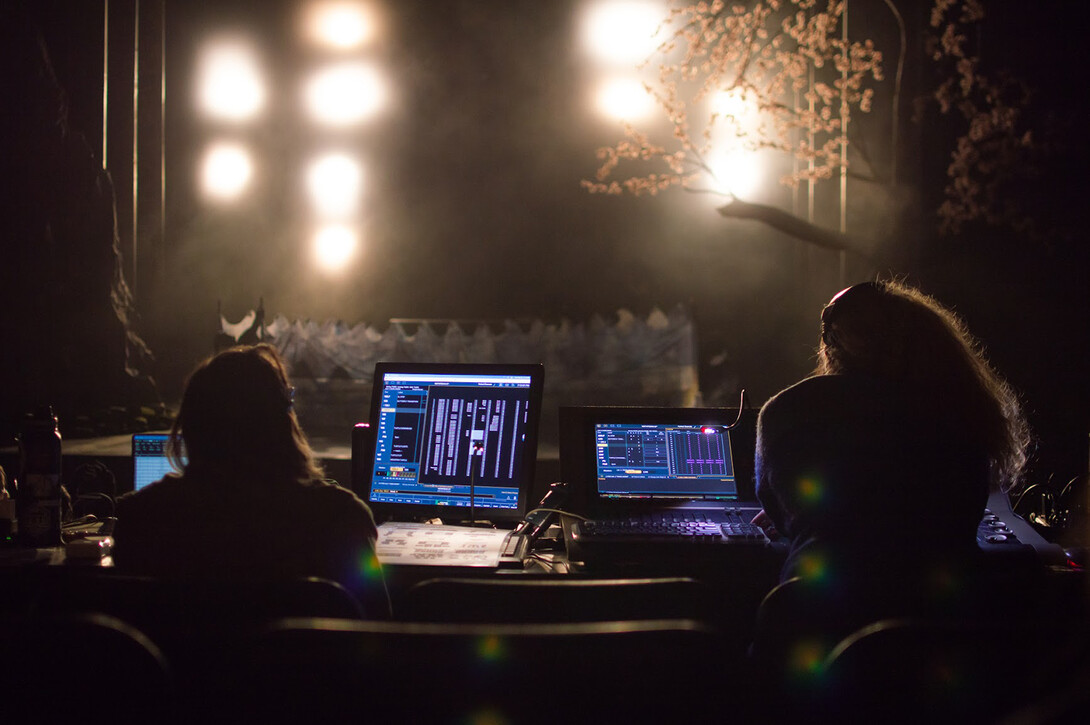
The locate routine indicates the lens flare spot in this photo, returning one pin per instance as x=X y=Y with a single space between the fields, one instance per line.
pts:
x=813 y=568
x=807 y=658
x=490 y=648
x=487 y=717
x=371 y=567
x=946 y=678
x=945 y=583
x=810 y=490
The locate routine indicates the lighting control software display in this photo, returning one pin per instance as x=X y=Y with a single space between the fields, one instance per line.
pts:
x=150 y=461
x=442 y=438
x=684 y=461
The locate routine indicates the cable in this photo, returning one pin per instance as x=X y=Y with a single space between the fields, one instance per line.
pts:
x=741 y=407
x=557 y=511
x=1024 y=493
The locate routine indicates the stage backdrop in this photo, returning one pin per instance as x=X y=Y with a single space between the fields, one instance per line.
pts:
x=628 y=360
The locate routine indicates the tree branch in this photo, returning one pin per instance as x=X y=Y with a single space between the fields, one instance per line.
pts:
x=797 y=228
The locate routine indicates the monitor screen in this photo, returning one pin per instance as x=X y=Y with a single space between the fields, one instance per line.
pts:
x=446 y=435
x=634 y=461
x=664 y=460
x=149 y=458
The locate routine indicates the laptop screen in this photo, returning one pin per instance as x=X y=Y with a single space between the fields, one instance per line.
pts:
x=446 y=434
x=687 y=461
x=149 y=458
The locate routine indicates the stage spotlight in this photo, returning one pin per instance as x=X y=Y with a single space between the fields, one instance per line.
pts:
x=334 y=182
x=226 y=172
x=736 y=171
x=733 y=104
x=622 y=33
x=334 y=246
x=339 y=24
x=624 y=99
x=229 y=85
x=344 y=94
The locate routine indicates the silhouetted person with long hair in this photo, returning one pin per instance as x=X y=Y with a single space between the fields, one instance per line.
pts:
x=893 y=446
x=877 y=471
x=250 y=500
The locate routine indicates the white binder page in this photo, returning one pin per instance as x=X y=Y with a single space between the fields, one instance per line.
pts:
x=436 y=545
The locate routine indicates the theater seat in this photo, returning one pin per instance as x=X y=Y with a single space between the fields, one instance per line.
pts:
x=909 y=670
x=555 y=599
x=85 y=668
x=339 y=671
x=194 y=622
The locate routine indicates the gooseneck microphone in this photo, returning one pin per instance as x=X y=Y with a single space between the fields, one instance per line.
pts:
x=478 y=449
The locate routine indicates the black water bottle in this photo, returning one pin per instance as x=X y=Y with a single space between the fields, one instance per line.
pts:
x=38 y=501
x=7 y=509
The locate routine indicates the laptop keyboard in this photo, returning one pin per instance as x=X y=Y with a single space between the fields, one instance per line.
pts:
x=729 y=527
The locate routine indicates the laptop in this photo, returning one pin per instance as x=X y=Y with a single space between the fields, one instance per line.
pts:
x=658 y=477
x=149 y=458
x=455 y=443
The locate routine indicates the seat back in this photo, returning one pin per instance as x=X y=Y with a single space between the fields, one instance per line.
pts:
x=194 y=622
x=800 y=621
x=906 y=670
x=554 y=599
x=86 y=668
x=338 y=671
x=157 y=604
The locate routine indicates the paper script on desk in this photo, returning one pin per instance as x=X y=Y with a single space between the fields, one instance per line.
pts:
x=435 y=545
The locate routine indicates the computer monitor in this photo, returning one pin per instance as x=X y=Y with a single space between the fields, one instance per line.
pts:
x=452 y=441
x=669 y=461
x=149 y=458
x=655 y=453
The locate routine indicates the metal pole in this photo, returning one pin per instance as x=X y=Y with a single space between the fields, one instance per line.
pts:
x=105 y=76
x=844 y=143
x=135 y=142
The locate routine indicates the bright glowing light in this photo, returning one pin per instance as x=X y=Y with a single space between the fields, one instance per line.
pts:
x=733 y=103
x=343 y=25
x=226 y=171
x=623 y=32
x=334 y=246
x=345 y=94
x=229 y=84
x=624 y=99
x=737 y=172
x=334 y=182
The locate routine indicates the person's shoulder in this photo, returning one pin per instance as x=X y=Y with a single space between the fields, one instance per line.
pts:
x=151 y=495
x=334 y=497
x=806 y=396
x=841 y=391
x=828 y=385
x=827 y=405
x=329 y=490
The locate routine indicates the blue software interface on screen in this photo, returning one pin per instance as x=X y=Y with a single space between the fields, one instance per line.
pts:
x=441 y=436
x=664 y=461
x=149 y=458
